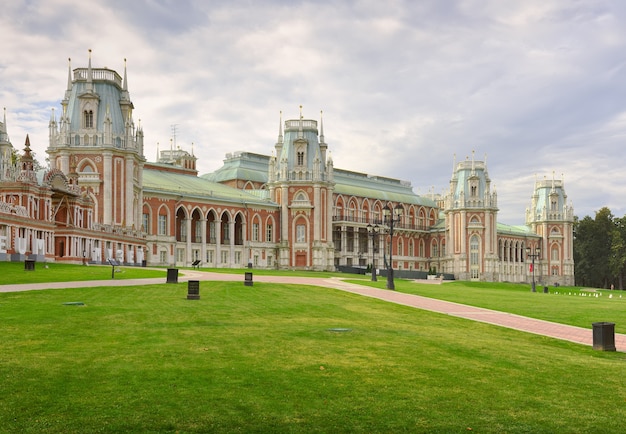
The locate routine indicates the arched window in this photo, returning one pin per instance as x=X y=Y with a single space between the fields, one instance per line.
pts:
x=474 y=257
x=88 y=114
x=554 y=254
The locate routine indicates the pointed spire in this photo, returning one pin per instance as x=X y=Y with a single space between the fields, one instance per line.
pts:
x=89 y=75
x=4 y=136
x=52 y=116
x=321 y=126
x=473 y=168
x=280 y=127
x=125 y=85
x=300 y=133
x=69 y=73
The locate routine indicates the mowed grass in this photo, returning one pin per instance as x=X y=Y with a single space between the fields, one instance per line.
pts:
x=12 y=273
x=286 y=358
x=567 y=305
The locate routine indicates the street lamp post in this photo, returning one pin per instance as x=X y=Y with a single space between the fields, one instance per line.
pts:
x=530 y=253
x=373 y=231
x=392 y=215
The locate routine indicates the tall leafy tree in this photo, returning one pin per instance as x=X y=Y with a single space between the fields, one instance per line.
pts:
x=617 y=261
x=593 y=249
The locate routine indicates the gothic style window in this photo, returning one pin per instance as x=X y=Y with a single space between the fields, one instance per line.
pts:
x=300 y=158
x=555 y=254
x=162 y=225
x=145 y=222
x=183 y=230
x=300 y=234
x=88 y=119
x=269 y=233
x=474 y=257
x=255 y=231
x=197 y=232
x=212 y=232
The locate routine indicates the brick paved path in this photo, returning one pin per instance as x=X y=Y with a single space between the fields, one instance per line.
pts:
x=558 y=331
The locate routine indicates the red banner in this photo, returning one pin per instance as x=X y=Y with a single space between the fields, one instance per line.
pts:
x=530 y=268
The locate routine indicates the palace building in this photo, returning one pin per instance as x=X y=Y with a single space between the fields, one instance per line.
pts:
x=101 y=199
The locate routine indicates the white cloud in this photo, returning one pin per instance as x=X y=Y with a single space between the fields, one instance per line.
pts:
x=538 y=85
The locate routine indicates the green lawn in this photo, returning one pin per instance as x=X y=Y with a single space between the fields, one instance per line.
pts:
x=566 y=305
x=12 y=273
x=266 y=359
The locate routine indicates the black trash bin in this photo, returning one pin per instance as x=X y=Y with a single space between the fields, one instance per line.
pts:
x=193 y=290
x=29 y=265
x=604 y=336
x=172 y=275
x=248 y=279
x=545 y=290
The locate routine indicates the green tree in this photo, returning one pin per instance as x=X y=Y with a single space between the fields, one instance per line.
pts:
x=617 y=261
x=593 y=249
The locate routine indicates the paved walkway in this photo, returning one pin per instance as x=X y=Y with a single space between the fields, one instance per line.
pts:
x=546 y=328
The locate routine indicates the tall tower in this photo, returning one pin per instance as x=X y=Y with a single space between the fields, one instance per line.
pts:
x=96 y=139
x=300 y=179
x=471 y=211
x=6 y=150
x=552 y=218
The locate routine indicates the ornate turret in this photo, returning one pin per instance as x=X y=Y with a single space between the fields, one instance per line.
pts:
x=552 y=218
x=300 y=180
x=6 y=149
x=97 y=145
x=549 y=202
x=301 y=153
x=471 y=209
x=27 y=165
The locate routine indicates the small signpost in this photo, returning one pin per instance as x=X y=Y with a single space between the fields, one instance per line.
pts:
x=114 y=263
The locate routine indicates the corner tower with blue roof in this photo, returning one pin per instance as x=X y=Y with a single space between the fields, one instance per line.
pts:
x=552 y=218
x=96 y=139
x=300 y=180
x=471 y=211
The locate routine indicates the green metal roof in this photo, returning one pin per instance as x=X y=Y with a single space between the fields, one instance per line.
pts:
x=376 y=187
x=518 y=230
x=241 y=165
x=164 y=182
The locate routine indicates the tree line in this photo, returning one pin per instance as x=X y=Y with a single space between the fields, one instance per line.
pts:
x=600 y=250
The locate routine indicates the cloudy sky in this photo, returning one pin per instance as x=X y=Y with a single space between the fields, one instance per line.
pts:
x=538 y=86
